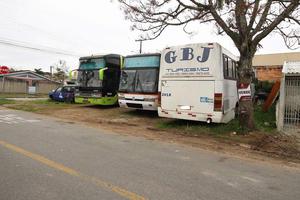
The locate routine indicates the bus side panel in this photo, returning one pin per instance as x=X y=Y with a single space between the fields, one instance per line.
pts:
x=228 y=89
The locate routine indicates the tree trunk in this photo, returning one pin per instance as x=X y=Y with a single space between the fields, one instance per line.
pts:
x=246 y=111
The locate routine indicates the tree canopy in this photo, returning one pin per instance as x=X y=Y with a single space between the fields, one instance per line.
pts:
x=250 y=20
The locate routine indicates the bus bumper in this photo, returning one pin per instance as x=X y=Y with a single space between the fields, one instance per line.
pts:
x=216 y=117
x=141 y=105
x=97 y=100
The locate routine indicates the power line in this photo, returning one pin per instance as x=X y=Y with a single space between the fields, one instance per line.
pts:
x=25 y=43
x=32 y=47
x=39 y=30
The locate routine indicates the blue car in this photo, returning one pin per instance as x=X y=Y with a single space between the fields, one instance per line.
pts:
x=64 y=94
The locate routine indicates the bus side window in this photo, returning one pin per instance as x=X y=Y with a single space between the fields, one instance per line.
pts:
x=230 y=68
x=225 y=66
x=235 y=70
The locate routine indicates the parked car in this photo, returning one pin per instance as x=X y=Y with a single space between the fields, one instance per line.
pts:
x=65 y=93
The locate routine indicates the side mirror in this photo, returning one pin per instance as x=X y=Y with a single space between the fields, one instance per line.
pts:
x=73 y=75
x=101 y=73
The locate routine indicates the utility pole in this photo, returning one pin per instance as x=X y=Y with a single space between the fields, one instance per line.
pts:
x=51 y=71
x=141 y=44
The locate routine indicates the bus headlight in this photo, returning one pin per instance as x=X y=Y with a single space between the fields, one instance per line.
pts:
x=121 y=96
x=150 y=99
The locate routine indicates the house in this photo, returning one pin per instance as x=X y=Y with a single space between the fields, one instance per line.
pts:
x=268 y=67
x=26 y=82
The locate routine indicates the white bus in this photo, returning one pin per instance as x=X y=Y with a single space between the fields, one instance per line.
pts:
x=198 y=82
x=139 y=82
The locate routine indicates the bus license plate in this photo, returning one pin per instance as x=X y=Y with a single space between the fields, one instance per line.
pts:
x=85 y=100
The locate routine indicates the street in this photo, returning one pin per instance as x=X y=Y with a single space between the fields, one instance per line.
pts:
x=46 y=158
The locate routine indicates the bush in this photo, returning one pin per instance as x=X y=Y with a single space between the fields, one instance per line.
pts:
x=263 y=86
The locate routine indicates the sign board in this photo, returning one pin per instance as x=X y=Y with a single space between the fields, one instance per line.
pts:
x=4 y=70
x=244 y=91
x=31 y=90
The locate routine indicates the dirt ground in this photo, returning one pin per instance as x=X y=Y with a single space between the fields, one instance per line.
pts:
x=260 y=146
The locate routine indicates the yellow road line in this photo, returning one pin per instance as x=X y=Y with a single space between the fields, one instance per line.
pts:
x=105 y=185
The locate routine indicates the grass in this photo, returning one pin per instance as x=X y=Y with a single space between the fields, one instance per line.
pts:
x=38 y=105
x=195 y=128
x=21 y=95
x=265 y=122
x=6 y=101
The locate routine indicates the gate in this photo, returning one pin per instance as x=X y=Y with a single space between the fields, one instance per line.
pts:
x=291 y=121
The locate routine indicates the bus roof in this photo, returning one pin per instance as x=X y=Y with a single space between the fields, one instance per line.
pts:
x=143 y=55
x=100 y=56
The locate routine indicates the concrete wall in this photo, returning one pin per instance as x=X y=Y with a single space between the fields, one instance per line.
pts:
x=46 y=87
x=13 y=86
x=21 y=86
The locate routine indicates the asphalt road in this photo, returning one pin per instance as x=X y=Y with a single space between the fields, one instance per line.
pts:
x=44 y=158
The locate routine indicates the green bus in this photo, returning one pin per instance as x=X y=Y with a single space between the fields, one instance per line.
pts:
x=98 y=79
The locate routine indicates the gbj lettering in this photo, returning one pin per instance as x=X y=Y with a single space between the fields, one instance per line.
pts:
x=187 y=54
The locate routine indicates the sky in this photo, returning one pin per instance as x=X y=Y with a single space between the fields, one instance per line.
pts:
x=69 y=29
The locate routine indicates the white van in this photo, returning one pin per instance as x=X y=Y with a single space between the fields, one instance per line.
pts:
x=198 y=82
x=139 y=82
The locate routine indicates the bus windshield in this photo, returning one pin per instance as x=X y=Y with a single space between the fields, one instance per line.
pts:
x=89 y=78
x=91 y=64
x=88 y=73
x=142 y=61
x=139 y=80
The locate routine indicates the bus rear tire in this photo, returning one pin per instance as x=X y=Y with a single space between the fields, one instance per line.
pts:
x=236 y=110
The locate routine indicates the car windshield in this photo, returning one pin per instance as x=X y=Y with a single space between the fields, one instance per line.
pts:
x=58 y=89
x=68 y=89
x=139 y=80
